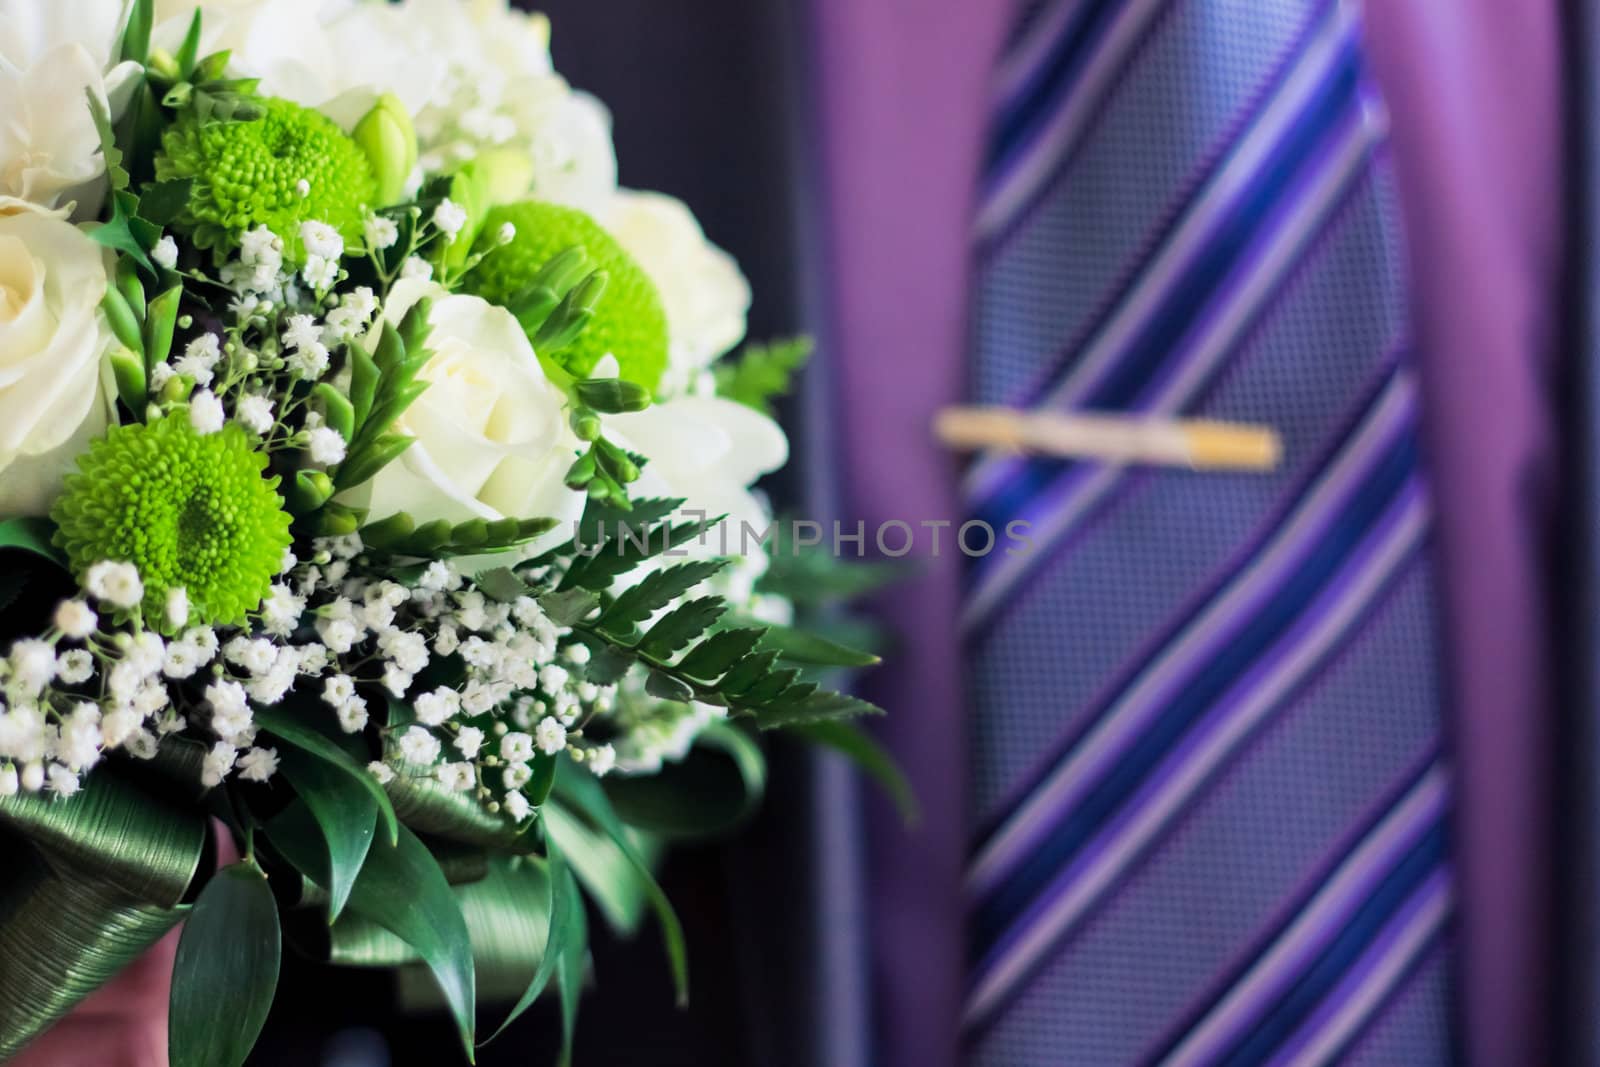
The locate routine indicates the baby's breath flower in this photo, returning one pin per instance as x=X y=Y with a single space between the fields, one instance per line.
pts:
x=254 y=413
x=516 y=747
x=415 y=268
x=419 y=746
x=74 y=667
x=551 y=736
x=165 y=253
x=469 y=741
x=75 y=619
x=601 y=760
x=177 y=607
x=205 y=412
x=381 y=233
x=352 y=715
x=381 y=771
x=115 y=583
x=326 y=446
x=259 y=764
x=456 y=777
x=516 y=775
x=449 y=217
x=322 y=240
x=517 y=806
x=63 y=783
x=217 y=763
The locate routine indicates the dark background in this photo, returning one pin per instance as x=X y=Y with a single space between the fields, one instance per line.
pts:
x=701 y=95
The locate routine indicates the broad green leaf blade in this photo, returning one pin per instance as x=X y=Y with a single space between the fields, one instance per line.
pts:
x=563 y=891
x=867 y=754
x=605 y=873
x=226 y=971
x=32 y=535
x=402 y=889
x=62 y=936
x=718 y=786
x=136 y=35
x=343 y=809
x=583 y=793
x=571 y=965
x=279 y=722
x=127 y=838
x=798 y=646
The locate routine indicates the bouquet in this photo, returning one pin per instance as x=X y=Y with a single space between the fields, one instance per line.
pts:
x=374 y=486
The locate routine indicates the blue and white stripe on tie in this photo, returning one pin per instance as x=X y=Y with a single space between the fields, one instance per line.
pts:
x=1206 y=742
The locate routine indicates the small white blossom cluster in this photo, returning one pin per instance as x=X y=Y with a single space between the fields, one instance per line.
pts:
x=89 y=687
x=332 y=630
x=282 y=328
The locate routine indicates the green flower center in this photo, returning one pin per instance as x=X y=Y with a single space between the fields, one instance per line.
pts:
x=290 y=166
x=629 y=321
x=188 y=510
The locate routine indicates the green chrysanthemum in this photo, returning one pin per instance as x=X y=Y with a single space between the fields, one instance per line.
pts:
x=189 y=510
x=629 y=322
x=249 y=174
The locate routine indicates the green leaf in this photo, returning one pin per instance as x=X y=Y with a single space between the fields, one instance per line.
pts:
x=619 y=556
x=563 y=930
x=136 y=36
x=364 y=377
x=226 y=971
x=343 y=809
x=633 y=606
x=607 y=663
x=402 y=889
x=573 y=961
x=682 y=625
x=285 y=725
x=763 y=373
x=798 y=646
x=569 y=607
x=711 y=658
x=816 y=707
x=189 y=51
x=159 y=323
x=583 y=793
x=161 y=202
x=501 y=584
x=867 y=754
x=717 y=787
x=32 y=535
x=667 y=687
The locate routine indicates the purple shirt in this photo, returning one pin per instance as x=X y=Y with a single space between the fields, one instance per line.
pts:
x=1472 y=87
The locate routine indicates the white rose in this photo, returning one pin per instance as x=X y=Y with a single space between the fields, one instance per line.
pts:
x=492 y=439
x=705 y=297
x=51 y=51
x=54 y=397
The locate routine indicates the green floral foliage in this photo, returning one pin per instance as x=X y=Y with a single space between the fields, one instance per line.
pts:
x=188 y=510
x=249 y=174
x=629 y=321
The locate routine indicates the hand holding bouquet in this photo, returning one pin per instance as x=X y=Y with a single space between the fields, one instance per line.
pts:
x=366 y=483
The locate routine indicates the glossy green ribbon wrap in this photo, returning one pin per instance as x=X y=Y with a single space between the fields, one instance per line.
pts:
x=87 y=885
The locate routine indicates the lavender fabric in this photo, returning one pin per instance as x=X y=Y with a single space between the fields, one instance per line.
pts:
x=903 y=101
x=1472 y=87
x=1474 y=94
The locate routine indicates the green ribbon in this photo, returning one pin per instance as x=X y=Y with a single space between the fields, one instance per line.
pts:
x=91 y=882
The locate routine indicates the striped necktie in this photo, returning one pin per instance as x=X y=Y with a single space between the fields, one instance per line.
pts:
x=1206 y=764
